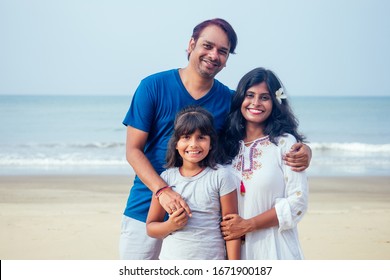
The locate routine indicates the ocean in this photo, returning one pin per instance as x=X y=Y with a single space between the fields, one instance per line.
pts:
x=349 y=136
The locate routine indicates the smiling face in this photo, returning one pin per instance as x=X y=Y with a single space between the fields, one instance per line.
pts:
x=209 y=54
x=257 y=105
x=193 y=148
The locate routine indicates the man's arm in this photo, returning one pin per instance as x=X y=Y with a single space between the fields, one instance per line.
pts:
x=135 y=143
x=299 y=157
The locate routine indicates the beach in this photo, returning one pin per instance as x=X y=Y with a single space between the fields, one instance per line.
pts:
x=64 y=217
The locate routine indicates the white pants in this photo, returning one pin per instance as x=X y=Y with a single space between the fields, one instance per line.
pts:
x=135 y=244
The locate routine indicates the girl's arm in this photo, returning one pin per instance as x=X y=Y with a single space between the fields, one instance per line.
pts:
x=229 y=205
x=155 y=225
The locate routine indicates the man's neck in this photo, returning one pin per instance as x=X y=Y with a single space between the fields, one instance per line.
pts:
x=196 y=85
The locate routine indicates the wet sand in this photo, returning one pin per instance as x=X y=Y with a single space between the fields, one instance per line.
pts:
x=78 y=217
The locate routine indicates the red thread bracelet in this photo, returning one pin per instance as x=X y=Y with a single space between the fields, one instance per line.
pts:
x=159 y=191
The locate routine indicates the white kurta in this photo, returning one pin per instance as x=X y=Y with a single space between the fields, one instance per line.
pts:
x=270 y=183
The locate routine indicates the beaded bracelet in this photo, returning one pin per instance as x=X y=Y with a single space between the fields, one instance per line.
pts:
x=160 y=191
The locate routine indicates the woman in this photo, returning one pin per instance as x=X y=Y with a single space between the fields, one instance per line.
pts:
x=260 y=129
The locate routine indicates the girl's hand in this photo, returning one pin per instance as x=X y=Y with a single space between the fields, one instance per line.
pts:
x=178 y=219
x=299 y=157
x=233 y=227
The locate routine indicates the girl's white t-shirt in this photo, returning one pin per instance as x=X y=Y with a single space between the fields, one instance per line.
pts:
x=201 y=238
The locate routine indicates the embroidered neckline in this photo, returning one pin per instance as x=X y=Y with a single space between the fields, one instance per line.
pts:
x=256 y=140
x=247 y=171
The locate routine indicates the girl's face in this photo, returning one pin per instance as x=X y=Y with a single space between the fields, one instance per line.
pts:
x=257 y=104
x=193 y=148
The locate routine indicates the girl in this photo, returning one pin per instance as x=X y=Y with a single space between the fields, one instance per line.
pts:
x=208 y=189
x=261 y=128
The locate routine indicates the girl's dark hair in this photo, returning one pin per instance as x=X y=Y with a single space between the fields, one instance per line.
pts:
x=280 y=122
x=221 y=23
x=187 y=121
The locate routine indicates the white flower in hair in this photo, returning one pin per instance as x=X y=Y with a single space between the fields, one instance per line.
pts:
x=280 y=95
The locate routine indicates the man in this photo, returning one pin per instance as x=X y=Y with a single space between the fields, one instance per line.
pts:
x=149 y=124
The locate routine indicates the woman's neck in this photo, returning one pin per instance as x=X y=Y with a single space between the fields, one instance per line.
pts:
x=252 y=133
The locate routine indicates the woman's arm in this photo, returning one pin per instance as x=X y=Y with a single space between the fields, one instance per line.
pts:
x=233 y=226
x=291 y=208
x=155 y=225
x=229 y=205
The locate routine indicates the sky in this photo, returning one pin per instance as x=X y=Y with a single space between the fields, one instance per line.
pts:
x=105 y=47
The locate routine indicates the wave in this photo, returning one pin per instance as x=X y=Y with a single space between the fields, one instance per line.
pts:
x=315 y=146
x=60 y=161
x=350 y=159
x=97 y=145
x=350 y=147
x=334 y=158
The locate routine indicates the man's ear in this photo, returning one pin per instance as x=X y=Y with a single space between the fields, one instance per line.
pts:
x=191 y=45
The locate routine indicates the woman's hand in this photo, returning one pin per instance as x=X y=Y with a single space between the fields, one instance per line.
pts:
x=233 y=227
x=172 y=201
x=299 y=157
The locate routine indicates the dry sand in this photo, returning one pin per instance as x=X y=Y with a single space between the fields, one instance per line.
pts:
x=78 y=217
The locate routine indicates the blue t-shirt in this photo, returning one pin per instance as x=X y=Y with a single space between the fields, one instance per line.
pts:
x=153 y=109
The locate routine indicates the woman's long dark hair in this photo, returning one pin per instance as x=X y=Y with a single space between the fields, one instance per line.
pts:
x=187 y=121
x=280 y=122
